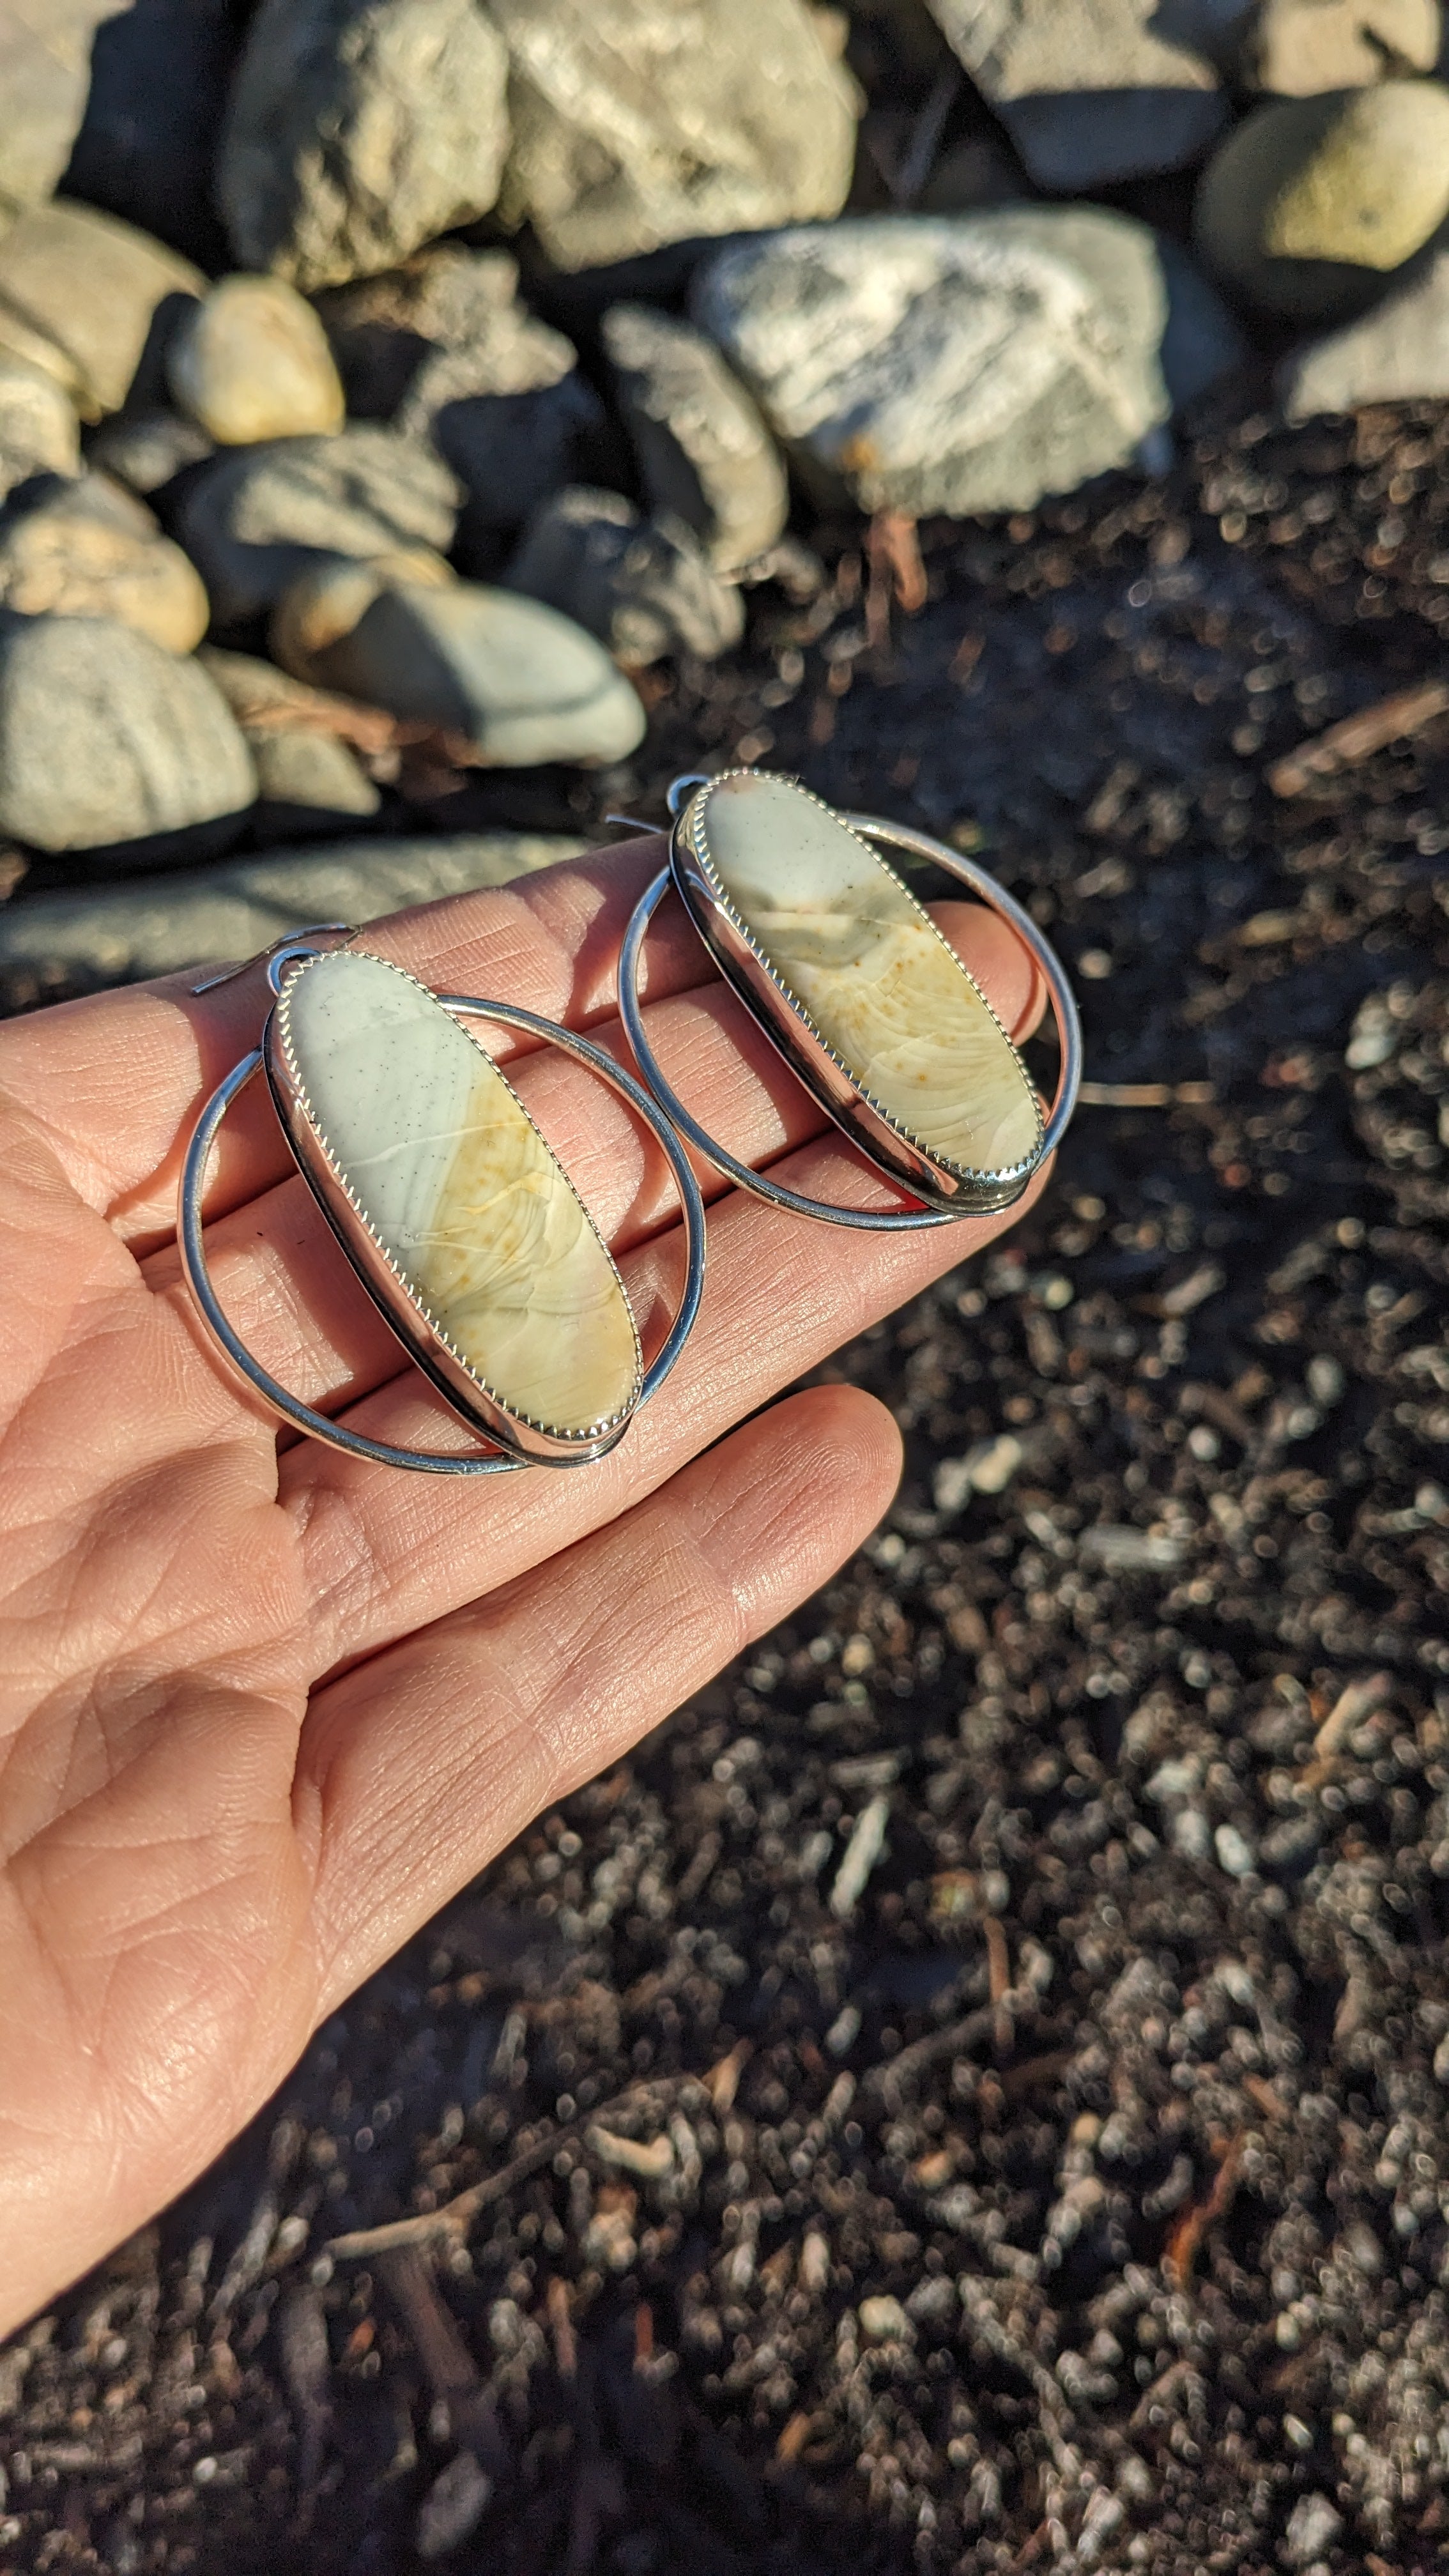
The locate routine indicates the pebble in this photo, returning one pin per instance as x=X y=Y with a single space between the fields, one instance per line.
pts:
x=864 y=1849
x=146 y=450
x=254 y=520
x=884 y=2320
x=704 y=451
x=1313 y=2526
x=1313 y=201
x=39 y=431
x=301 y=747
x=87 y=297
x=106 y=738
x=90 y=549
x=512 y=679
x=114 y=934
x=252 y=362
x=1090 y=91
x=158 y=75
x=453 y=2506
x=1396 y=352
x=1299 y=48
x=638 y=123
x=45 y=72
x=642 y=586
x=355 y=134
x=1236 y=1854
x=949 y=363
x=447 y=324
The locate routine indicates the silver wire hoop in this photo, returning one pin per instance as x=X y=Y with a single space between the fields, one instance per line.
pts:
x=320 y=1426
x=995 y=897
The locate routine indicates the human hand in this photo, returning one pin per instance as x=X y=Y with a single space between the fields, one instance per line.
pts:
x=263 y=1707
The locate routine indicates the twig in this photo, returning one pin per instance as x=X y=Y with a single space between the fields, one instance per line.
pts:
x=1343 y=746
x=1181 y=2250
x=893 y=553
x=1146 y=1095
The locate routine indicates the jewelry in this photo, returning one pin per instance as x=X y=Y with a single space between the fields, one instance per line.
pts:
x=848 y=976
x=456 y=1216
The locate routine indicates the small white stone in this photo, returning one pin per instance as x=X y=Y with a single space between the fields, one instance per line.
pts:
x=479 y=1219
x=868 y=968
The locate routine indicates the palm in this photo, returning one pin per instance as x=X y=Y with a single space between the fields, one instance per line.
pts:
x=260 y=1714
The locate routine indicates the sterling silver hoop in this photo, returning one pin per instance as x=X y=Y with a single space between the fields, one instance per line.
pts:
x=321 y=1426
x=834 y=1097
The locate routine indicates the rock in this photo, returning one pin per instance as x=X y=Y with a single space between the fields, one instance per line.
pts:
x=1301 y=47
x=159 y=71
x=1313 y=2526
x=113 y=934
x=1313 y=200
x=452 y=2507
x=106 y=738
x=301 y=743
x=326 y=601
x=253 y=521
x=91 y=301
x=1397 y=352
x=45 y=58
x=39 y=432
x=359 y=129
x=643 y=587
x=147 y=450
x=1201 y=343
x=643 y=122
x=510 y=452
x=511 y=679
x=91 y=549
x=884 y=2320
x=1090 y=91
x=252 y=362
x=949 y=363
x=704 y=451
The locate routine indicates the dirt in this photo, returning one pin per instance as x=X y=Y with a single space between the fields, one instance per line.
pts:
x=1074 y=2197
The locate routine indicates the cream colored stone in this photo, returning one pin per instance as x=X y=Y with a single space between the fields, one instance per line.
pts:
x=477 y=1215
x=253 y=362
x=882 y=987
x=91 y=549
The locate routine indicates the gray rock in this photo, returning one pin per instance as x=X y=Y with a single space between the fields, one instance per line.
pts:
x=643 y=587
x=359 y=129
x=511 y=679
x=704 y=451
x=107 y=738
x=1312 y=203
x=39 y=431
x=146 y=450
x=1201 y=342
x=510 y=452
x=158 y=75
x=1301 y=47
x=393 y=336
x=45 y=49
x=1313 y=2526
x=1093 y=90
x=114 y=934
x=301 y=744
x=254 y=520
x=1397 y=352
x=937 y=363
x=91 y=301
x=252 y=362
x=642 y=122
x=89 y=548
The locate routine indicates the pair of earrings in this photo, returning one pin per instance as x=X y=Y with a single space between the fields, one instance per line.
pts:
x=463 y=1226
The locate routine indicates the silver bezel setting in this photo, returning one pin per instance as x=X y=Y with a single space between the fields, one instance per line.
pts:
x=883 y=1142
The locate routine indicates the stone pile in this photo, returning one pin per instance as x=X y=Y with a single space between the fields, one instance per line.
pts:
x=300 y=477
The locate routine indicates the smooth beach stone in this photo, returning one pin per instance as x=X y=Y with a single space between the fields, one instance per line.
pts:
x=92 y=301
x=476 y=1215
x=1312 y=202
x=90 y=548
x=253 y=362
x=871 y=971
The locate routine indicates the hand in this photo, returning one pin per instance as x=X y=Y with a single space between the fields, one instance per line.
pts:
x=263 y=1708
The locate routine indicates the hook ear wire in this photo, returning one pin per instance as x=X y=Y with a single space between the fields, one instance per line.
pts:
x=288 y=939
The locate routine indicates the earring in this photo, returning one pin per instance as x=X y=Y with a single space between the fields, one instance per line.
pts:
x=849 y=978
x=453 y=1212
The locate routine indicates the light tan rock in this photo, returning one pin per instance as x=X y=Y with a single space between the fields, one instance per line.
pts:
x=86 y=297
x=45 y=72
x=479 y=1221
x=1298 y=48
x=90 y=549
x=39 y=431
x=324 y=605
x=871 y=973
x=253 y=362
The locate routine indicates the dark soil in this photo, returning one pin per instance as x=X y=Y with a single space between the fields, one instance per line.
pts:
x=1076 y=2200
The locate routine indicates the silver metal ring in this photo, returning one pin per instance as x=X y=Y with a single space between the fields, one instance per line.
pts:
x=320 y=1426
x=899 y=1221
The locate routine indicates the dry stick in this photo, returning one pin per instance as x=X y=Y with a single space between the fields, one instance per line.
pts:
x=1394 y=719
x=1146 y=1095
x=453 y=2220
x=1180 y=2252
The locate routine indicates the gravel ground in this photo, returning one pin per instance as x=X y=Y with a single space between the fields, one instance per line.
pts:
x=969 y=2093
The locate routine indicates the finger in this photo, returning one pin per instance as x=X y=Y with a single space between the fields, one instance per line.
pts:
x=415 y=1769
x=383 y=1553
x=287 y=1289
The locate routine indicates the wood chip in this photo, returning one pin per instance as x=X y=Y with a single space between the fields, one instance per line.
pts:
x=1394 y=719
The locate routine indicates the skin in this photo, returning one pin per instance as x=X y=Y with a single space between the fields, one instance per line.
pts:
x=263 y=1708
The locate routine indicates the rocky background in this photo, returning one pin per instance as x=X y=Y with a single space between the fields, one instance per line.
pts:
x=970 y=2094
